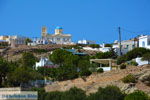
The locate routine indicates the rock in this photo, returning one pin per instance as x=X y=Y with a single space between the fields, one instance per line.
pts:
x=145 y=78
x=128 y=88
x=148 y=66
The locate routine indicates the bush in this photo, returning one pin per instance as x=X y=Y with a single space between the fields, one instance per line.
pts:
x=85 y=72
x=129 y=79
x=123 y=66
x=137 y=95
x=94 y=45
x=108 y=45
x=56 y=95
x=100 y=70
x=133 y=63
x=41 y=92
x=74 y=94
x=146 y=56
x=136 y=52
x=108 y=93
x=121 y=59
x=145 y=79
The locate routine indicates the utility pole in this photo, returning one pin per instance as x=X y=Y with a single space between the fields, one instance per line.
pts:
x=119 y=29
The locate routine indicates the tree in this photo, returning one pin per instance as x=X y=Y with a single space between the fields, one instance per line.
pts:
x=22 y=75
x=83 y=64
x=105 y=55
x=66 y=72
x=146 y=57
x=136 y=52
x=41 y=93
x=28 y=59
x=53 y=96
x=108 y=45
x=71 y=60
x=58 y=56
x=74 y=94
x=137 y=95
x=4 y=69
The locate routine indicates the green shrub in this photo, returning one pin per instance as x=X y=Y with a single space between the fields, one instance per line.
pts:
x=100 y=70
x=74 y=94
x=41 y=92
x=121 y=59
x=123 y=66
x=137 y=95
x=56 y=95
x=108 y=93
x=133 y=63
x=136 y=52
x=129 y=79
x=146 y=56
x=85 y=72
x=94 y=45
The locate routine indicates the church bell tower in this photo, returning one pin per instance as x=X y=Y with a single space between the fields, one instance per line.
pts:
x=44 y=32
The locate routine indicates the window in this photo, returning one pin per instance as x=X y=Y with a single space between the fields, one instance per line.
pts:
x=143 y=44
x=133 y=46
x=127 y=47
x=64 y=39
x=58 y=39
x=149 y=42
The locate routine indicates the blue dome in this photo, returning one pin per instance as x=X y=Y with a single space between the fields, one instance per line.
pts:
x=58 y=27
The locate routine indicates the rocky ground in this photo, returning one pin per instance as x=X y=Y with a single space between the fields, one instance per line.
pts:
x=92 y=83
x=13 y=54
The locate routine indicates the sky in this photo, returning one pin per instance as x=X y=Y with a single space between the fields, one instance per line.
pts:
x=96 y=20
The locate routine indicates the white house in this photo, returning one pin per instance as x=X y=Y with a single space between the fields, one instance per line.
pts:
x=18 y=40
x=126 y=45
x=144 y=41
x=86 y=42
x=105 y=49
x=90 y=48
x=102 y=49
x=44 y=62
x=37 y=41
x=140 y=61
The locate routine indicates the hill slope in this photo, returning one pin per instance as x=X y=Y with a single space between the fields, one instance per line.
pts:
x=92 y=83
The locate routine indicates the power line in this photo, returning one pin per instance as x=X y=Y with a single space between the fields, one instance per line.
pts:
x=126 y=34
x=146 y=31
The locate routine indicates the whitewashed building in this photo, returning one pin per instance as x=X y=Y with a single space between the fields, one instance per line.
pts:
x=17 y=40
x=144 y=41
x=45 y=62
x=126 y=46
x=86 y=42
x=140 y=62
x=58 y=37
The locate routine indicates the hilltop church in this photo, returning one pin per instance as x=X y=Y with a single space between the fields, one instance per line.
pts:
x=58 y=37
